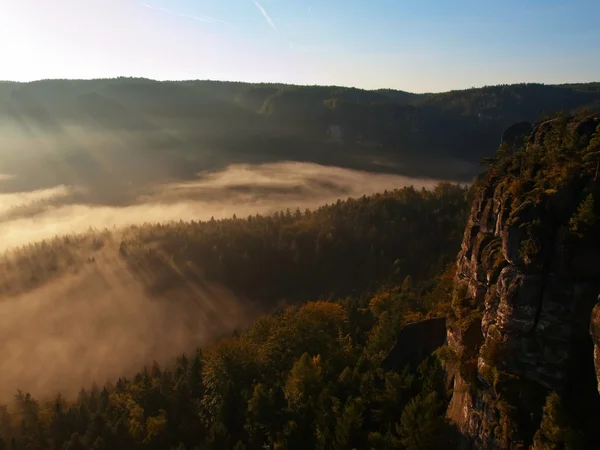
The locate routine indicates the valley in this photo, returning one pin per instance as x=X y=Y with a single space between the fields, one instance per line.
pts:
x=204 y=265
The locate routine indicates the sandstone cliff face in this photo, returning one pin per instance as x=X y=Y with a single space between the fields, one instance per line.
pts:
x=528 y=277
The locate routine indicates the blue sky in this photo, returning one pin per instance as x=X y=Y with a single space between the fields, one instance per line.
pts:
x=419 y=46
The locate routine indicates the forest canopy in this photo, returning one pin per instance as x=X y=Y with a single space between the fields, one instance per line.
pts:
x=339 y=283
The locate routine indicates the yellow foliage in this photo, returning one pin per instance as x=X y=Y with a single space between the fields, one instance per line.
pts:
x=413 y=316
x=329 y=312
x=155 y=425
x=136 y=422
x=304 y=380
x=380 y=303
x=226 y=357
x=311 y=325
x=316 y=361
x=127 y=405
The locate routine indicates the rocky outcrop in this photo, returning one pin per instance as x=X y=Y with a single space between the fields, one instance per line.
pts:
x=514 y=135
x=415 y=342
x=528 y=276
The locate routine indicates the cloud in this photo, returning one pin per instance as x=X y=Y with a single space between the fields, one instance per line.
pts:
x=266 y=15
x=201 y=18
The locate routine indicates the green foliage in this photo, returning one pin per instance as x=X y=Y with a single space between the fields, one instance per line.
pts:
x=489 y=354
x=557 y=155
x=492 y=256
x=464 y=310
x=529 y=249
x=448 y=358
x=592 y=158
x=585 y=217
x=556 y=431
x=460 y=298
x=423 y=425
x=348 y=429
x=543 y=183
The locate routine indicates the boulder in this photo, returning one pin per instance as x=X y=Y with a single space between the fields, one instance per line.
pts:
x=415 y=342
x=515 y=135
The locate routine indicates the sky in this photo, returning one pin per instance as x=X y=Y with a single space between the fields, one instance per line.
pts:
x=412 y=45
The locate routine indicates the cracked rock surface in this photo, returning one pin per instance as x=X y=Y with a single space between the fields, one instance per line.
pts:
x=528 y=277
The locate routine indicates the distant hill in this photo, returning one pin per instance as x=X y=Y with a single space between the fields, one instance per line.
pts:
x=189 y=126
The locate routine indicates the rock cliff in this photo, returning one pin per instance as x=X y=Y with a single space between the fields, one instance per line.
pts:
x=528 y=277
x=415 y=342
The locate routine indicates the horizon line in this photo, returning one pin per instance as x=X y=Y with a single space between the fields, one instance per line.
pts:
x=188 y=80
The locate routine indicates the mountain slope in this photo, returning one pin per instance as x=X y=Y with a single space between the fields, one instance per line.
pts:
x=184 y=127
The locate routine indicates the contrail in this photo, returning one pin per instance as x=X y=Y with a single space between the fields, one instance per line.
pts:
x=204 y=18
x=201 y=18
x=266 y=15
x=145 y=5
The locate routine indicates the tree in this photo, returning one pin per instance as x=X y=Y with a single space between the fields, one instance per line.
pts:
x=260 y=417
x=407 y=284
x=556 y=431
x=585 y=217
x=304 y=382
x=423 y=425
x=75 y=443
x=592 y=156
x=348 y=430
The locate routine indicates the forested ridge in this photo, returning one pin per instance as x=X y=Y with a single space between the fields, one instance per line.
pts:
x=338 y=249
x=180 y=128
x=339 y=281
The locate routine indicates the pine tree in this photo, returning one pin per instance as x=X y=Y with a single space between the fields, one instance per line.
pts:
x=75 y=443
x=592 y=157
x=348 y=430
x=556 y=432
x=585 y=217
x=422 y=424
